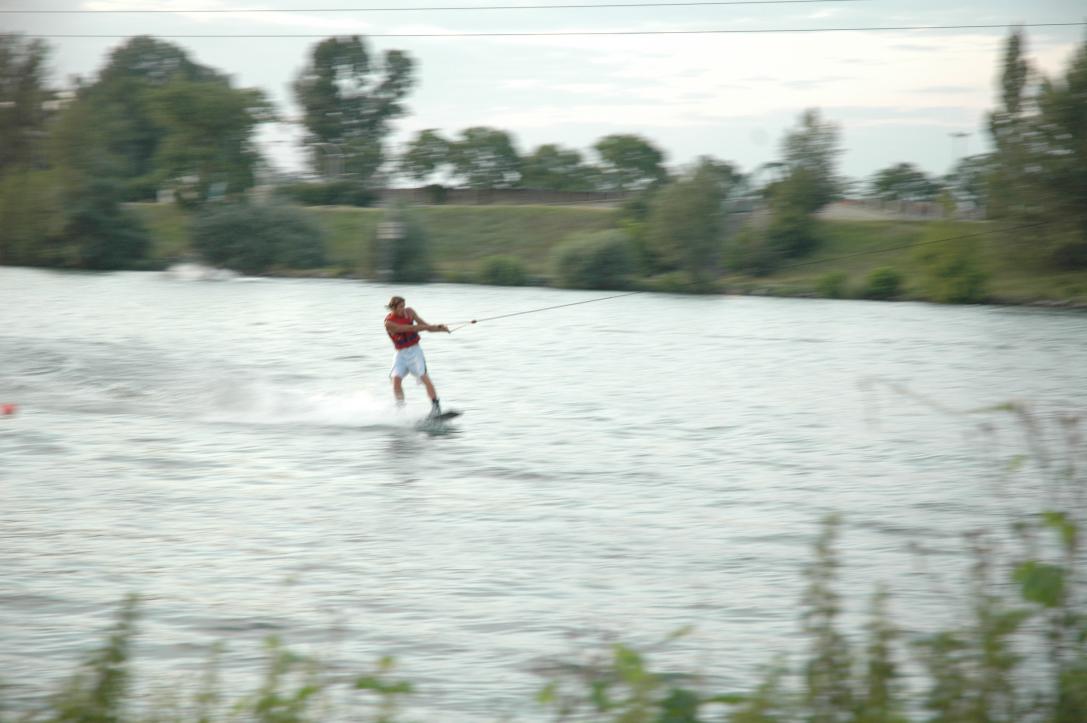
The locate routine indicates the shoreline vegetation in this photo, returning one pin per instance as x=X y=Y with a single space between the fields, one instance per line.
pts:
x=465 y=244
x=154 y=125
x=1016 y=653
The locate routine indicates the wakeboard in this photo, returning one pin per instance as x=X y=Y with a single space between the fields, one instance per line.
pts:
x=437 y=421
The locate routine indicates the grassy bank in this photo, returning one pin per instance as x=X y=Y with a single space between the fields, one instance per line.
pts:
x=858 y=248
x=461 y=237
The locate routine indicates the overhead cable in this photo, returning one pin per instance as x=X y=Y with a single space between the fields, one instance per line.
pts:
x=575 y=33
x=111 y=11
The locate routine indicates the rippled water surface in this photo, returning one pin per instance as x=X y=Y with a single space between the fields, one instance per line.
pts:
x=230 y=451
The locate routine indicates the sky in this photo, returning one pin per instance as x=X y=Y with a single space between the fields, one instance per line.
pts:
x=897 y=96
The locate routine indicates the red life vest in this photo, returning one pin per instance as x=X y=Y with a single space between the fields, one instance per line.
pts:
x=402 y=339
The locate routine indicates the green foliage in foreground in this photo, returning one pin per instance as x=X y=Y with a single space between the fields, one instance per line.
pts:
x=1019 y=656
x=98 y=233
x=832 y=285
x=952 y=267
x=883 y=283
x=408 y=258
x=603 y=260
x=503 y=271
x=684 y=226
x=68 y=223
x=328 y=193
x=254 y=239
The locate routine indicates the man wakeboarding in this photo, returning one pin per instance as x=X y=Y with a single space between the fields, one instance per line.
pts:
x=403 y=326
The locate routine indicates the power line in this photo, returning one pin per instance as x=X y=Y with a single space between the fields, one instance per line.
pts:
x=580 y=33
x=36 y=11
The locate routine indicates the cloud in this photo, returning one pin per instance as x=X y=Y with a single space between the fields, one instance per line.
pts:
x=811 y=83
x=913 y=123
x=228 y=22
x=952 y=89
x=699 y=81
x=617 y=115
x=671 y=69
x=521 y=83
x=687 y=85
x=592 y=89
x=912 y=47
x=822 y=14
x=944 y=116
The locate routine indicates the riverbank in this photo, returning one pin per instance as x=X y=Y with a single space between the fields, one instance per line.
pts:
x=462 y=238
x=856 y=249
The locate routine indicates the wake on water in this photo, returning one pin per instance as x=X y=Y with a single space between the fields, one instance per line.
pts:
x=111 y=378
x=256 y=402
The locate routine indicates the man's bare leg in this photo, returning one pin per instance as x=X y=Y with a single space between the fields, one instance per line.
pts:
x=398 y=391
x=425 y=379
x=435 y=410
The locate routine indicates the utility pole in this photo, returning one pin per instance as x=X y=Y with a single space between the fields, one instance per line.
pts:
x=958 y=146
x=958 y=152
x=332 y=157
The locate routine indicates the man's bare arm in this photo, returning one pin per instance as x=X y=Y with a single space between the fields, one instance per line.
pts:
x=427 y=327
x=420 y=326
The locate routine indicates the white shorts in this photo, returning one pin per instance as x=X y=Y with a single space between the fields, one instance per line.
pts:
x=409 y=361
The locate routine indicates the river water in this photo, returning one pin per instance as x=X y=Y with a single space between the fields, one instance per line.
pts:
x=230 y=451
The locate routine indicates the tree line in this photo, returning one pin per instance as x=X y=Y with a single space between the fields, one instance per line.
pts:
x=152 y=120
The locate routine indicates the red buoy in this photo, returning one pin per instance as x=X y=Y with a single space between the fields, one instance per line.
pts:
x=7 y=409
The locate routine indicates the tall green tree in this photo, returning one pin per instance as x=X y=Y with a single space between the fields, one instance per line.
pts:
x=61 y=190
x=81 y=146
x=30 y=207
x=426 y=154
x=32 y=213
x=723 y=173
x=553 y=168
x=349 y=99
x=1039 y=132
x=208 y=129
x=686 y=223
x=809 y=183
x=73 y=220
x=968 y=181
x=152 y=116
x=1011 y=126
x=116 y=109
x=1062 y=129
x=24 y=96
x=903 y=182
x=486 y=158
x=98 y=233
x=630 y=163
x=811 y=152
